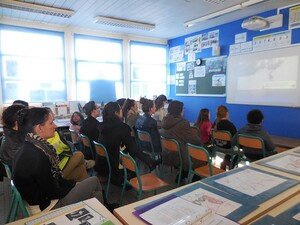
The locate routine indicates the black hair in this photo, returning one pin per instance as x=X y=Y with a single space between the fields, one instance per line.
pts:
x=147 y=104
x=127 y=106
x=110 y=112
x=29 y=118
x=21 y=102
x=202 y=116
x=9 y=116
x=255 y=116
x=121 y=101
x=89 y=107
x=159 y=101
x=175 y=108
x=72 y=118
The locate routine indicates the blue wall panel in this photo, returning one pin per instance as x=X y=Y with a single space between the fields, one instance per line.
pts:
x=283 y=121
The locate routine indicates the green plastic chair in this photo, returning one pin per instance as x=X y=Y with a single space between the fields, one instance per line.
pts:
x=252 y=142
x=201 y=154
x=87 y=144
x=169 y=144
x=144 y=136
x=16 y=200
x=101 y=151
x=144 y=183
x=223 y=136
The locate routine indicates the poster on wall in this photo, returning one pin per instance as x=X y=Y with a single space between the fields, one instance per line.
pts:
x=176 y=54
x=206 y=79
x=192 y=44
x=294 y=17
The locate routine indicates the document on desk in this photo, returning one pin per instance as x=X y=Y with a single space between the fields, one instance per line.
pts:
x=289 y=163
x=179 y=211
x=79 y=213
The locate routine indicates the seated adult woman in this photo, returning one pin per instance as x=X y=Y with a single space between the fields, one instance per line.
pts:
x=130 y=112
x=147 y=123
x=36 y=172
x=113 y=134
x=73 y=165
x=11 y=140
x=160 y=112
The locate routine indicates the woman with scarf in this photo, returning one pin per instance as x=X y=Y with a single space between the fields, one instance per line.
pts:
x=36 y=172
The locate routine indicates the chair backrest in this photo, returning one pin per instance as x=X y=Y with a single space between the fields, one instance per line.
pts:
x=198 y=152
x=128 y=162
x=222 y=135
x=101 y=150
x=7 y=170
x=170 y=144
x=253 y=142
x=86 y=141
x=144 y=136
x=74 y=135
x=195 y=130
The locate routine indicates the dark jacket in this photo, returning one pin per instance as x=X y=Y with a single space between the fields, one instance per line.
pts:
x=259 y=131
x=33 y=178
x=179 y=129
x=147 y=123
x=89 y=128
x=11 y=144
x=113 y=135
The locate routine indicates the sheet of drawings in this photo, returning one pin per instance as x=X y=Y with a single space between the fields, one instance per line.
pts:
x=214 y=202
x=250 y=182
x=78 y=213
x=287 y=162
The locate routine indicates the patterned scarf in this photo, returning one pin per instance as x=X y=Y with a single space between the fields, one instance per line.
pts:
x=48 y=150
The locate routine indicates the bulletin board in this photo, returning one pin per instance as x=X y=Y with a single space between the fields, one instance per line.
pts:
x=206 y=79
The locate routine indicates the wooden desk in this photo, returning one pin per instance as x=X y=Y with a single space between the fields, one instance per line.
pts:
x=284 y=143
x=93 y=203
x=124 y=214
x=284 y=206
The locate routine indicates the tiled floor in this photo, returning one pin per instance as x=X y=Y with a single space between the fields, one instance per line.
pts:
x=114 y=194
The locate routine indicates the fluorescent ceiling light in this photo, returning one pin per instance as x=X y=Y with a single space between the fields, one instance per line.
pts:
x=222 y=12
x=109 y=21
x=36 y=8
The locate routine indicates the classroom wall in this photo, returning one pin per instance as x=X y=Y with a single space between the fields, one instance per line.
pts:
x=283 y=121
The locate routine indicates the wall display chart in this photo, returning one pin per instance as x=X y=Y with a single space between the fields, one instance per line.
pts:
x=207 y=78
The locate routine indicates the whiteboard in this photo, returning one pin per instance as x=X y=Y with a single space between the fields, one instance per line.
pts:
x=265 y=78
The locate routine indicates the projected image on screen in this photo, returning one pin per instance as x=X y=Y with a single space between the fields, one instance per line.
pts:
x=265 y=78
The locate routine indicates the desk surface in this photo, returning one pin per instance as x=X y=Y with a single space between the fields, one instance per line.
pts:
x=124 y=214
x=93 y=203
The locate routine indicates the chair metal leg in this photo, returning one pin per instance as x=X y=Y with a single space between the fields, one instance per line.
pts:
x=11 y=205
x=107 y=186
x=122 y=194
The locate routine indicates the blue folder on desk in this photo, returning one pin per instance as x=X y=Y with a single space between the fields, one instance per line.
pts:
x=259 y=198
x=245 y=209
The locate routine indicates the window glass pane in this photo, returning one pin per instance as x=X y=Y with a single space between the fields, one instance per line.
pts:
x=142 y=89
x=147 y=72
x=31 y=44
x=148 y=69
x=97 y=50
x=32 y=65
x=99 y=68
x=105 y=71
x=148 y=54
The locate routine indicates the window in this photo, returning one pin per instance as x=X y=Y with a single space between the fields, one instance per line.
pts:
x=148 y=69
x=99 y=71
x=32 y=65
